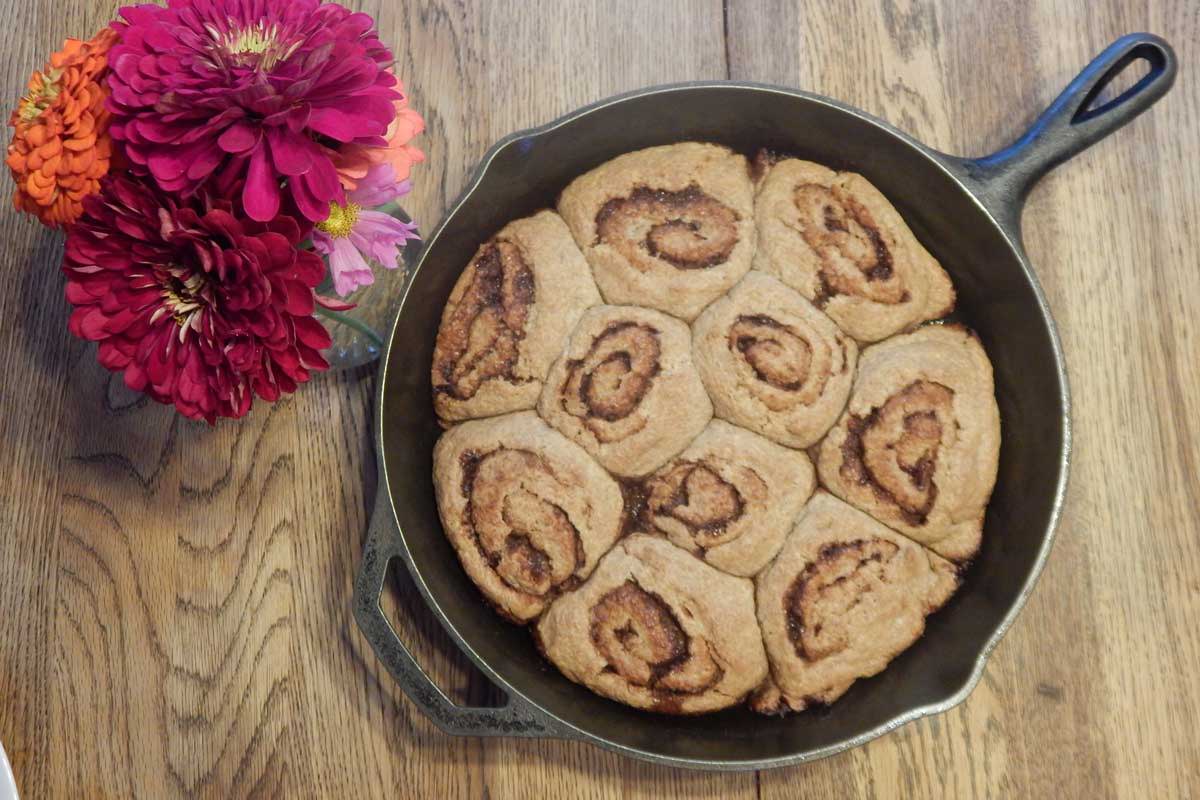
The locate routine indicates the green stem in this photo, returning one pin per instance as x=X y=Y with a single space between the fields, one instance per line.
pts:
x=351 y=322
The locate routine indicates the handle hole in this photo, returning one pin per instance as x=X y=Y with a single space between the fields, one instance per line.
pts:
x=1132 y=73
x=431 y=646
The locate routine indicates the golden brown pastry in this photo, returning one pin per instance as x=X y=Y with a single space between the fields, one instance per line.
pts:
x=918 y=445
x=772 y=362
x=528 y=511
x=667 y=227
x=507 y=318
x=730 y=497
x=626 y=389
x=655 y=628
x=843 y=598
x=582 y=406
x=837 y=240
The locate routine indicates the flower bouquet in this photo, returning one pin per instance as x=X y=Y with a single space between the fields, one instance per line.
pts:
x=226 y=172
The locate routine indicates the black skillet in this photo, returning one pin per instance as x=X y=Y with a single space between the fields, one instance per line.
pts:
x=967 y=213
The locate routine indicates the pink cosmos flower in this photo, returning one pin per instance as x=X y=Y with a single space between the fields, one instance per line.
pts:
x=352 y=236
x=249 y=92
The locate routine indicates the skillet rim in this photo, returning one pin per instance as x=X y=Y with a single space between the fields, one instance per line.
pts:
x=1002 y=210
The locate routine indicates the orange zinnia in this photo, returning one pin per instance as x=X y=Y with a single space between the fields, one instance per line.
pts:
x=61 y=148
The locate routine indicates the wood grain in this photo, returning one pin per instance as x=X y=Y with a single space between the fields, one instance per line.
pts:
x=174 y=599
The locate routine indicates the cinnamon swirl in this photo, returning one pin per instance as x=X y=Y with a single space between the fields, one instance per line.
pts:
x=507 y=317
x=666 y=227
x=626 y=389
x=844 y=596
x=918 y=445
x=528 y=511
x=730 y=497
x=657 y=629
x=772 y=362
x=837 y=240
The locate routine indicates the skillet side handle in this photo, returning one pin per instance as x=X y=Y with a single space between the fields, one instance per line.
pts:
x=515 y=718
x=1071 y=124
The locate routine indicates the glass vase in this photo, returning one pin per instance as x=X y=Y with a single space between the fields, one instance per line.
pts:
x=359 y=334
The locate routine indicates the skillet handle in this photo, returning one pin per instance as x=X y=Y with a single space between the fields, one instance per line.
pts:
x=1071 y=124
x=515 y=718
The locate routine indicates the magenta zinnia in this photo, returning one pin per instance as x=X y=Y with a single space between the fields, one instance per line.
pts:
x=197 y=306
x=256 y=92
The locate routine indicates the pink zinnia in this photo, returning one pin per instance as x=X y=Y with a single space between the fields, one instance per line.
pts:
x=353 y=237
x=255 y=92
x=198 y=306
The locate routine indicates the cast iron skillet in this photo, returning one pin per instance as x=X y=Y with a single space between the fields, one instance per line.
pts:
x=966 y=211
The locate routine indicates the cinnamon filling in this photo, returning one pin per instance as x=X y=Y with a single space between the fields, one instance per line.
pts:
x=521 y=530
x=821 y=598
x=636 y=495
x=894 y=449
x=481 y=340
x=776 y=354
x=687 y=229
x=608 y=384
x=641 y=639
x=764 y=159
x=782 y=358
x=856 y=256
x=695 y=495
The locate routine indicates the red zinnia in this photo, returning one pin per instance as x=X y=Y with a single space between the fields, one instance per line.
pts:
x=199 y=307
x=259 y=89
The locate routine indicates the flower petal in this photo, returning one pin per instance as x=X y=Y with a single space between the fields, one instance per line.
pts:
x=349 y=269
x=292 y=154
x=166 y=164
x=377 y=187
x=239 y=138
x=308 y=203
x=261 y=193
x=334 y=304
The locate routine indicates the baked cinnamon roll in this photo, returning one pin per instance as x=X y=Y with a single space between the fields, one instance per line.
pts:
x=507 y=318
x=626 y=389
x=730 y=497
x=836 y=239
x=666 y=227
x=843 y=598
x=772 y=362
x=918 y=445
x=657 y=629
x=528 y=512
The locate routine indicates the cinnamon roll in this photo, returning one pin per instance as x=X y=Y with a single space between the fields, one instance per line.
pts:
x=918 y=445
x=512 y=308
x=657 y=629
x=666 y=227
x=837 y=240
x=843 y=598
x=626 y=389
x=528 y=511
x=730 y=497
x=772 y=362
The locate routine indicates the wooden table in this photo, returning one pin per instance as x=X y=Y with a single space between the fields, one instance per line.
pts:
x=174 y=598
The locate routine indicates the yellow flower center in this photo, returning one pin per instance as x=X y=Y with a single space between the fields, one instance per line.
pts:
x=253 y=40
x=43 y=88
x=258 y=44
x=341 y=220
x=184 y=298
